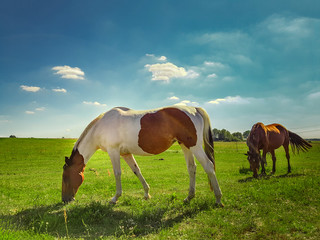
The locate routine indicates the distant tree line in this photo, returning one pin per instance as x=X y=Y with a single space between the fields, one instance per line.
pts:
x=226 y=136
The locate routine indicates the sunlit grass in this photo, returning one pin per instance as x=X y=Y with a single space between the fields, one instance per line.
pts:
x=279 y=206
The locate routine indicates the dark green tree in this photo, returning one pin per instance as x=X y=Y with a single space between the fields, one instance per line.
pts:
x=246 y=134
x=237 y=136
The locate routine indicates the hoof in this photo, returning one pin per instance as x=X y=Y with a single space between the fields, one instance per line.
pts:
x=188 y=199
x=113 y=202
x=219 y=205
x=147 y=197
x=68 y=200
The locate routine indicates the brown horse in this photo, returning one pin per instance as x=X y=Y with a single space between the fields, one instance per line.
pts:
x=268 y=138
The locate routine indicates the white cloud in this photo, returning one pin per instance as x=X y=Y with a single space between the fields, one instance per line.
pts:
x=165 y=71
x=213 y=75
x=229 y=99
x=40 y=109
x=30 y=88
x=162 y=58
x=30 y=112
x=94 y=104
x=62 y=90
x=174 y=98
x=187 y=103
x=68 y=72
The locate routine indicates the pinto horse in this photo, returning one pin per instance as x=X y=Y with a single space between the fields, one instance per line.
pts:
x=123 y=132
x=268 y=138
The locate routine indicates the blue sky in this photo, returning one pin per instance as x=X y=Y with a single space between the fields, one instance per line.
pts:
x=62 y=63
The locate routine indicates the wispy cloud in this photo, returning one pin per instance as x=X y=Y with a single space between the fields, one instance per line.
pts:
x=230 y=99
x=95 y=104
x=192 y=74
x=314 y=96
x=213 y=75
x=61 y=90
x=282 y=25
x=68 y=72
x=161 y=58
x=30 y=112
x=39 y=109
x=214 y=64
x=30 y=88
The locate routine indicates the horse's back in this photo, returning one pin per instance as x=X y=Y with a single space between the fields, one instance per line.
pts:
x=278 y=135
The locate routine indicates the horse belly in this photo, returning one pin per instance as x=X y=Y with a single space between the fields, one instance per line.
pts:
x=161 y=129
x=156 y=143
x=276 y=140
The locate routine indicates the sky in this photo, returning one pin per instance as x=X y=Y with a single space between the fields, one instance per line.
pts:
x=62 y=63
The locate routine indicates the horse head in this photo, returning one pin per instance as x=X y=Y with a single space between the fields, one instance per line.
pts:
x=254 y=159
x=72 y=176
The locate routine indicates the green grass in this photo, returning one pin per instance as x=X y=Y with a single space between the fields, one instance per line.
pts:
x=279 y=206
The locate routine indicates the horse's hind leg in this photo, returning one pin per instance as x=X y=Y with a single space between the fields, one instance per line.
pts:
x=209 y=169
x=136 y=170
x=192 y=172
x=286 y=148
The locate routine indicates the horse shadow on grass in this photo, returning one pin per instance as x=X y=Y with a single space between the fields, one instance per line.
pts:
x=270 y=176
x=98 y=219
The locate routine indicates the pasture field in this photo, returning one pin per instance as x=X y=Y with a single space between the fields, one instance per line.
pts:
x=279 y=206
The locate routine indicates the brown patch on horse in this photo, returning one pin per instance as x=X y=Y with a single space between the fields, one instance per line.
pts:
x=160 y=129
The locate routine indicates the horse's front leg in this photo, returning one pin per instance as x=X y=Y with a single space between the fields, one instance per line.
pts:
x=115 y=159
x=263 y=161
x=136 y=170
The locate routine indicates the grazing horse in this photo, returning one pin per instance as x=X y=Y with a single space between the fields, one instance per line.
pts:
x=123 y=132
x=268 y=138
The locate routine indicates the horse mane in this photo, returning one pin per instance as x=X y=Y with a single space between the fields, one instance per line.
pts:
x=86 y=130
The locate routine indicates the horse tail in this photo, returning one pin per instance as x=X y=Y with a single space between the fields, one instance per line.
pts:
x=207 y=136
x=298 y=143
